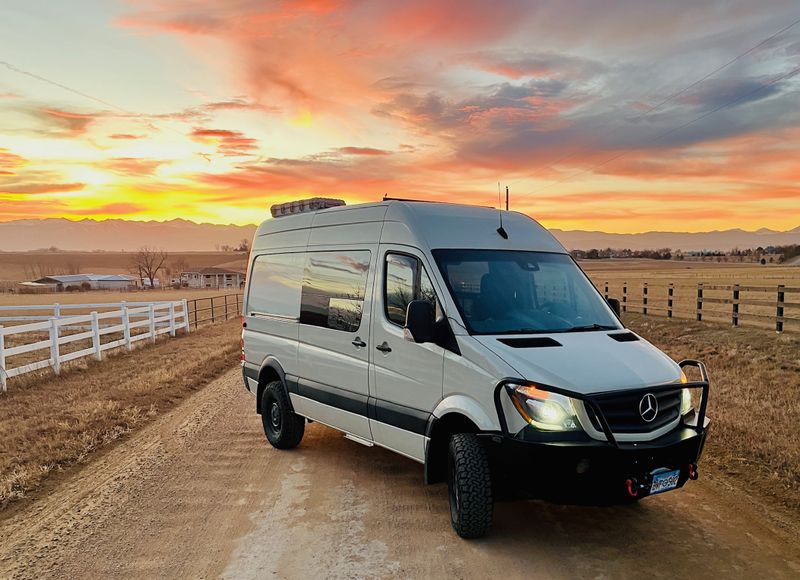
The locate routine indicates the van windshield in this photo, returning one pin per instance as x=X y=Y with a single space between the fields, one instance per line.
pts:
x=519 y=292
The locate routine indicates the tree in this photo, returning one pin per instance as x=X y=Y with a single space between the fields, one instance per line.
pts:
x=147 y=262
x=244 y=245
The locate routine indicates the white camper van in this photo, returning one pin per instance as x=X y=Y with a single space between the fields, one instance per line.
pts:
x=469 y=340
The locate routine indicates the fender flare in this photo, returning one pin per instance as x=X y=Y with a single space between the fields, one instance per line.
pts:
x=271 y=363
x=467 y=406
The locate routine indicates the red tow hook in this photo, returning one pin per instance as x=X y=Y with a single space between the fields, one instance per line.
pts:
x=630 y=484
x=693 y=471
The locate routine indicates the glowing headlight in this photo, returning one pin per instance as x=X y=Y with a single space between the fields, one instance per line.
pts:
x=543 y=409
x=686 y=401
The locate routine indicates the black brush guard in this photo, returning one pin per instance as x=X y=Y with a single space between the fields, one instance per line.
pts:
x=628 y=464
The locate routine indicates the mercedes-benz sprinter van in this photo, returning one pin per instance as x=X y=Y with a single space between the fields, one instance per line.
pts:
x=469 y=340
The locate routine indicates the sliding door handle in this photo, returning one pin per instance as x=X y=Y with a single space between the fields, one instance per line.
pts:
x=384 y=347
x=359 y=343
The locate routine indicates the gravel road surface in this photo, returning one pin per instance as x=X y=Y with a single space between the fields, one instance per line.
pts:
x=200 y=494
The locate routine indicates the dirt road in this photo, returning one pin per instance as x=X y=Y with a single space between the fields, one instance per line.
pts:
x=199 y=494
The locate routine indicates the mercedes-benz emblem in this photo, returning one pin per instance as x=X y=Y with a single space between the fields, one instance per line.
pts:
x=648 y=407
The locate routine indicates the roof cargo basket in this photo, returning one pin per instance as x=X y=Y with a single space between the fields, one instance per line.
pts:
x=304 y=205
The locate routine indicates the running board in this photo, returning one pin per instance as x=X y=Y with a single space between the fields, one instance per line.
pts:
x=358 y=439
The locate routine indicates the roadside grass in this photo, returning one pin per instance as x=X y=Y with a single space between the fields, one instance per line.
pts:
x=754 y=401
x=59 y=421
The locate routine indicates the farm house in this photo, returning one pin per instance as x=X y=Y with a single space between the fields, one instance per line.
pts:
x=212 y=278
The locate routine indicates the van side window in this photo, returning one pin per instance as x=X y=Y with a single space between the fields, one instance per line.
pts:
x=333 y=289
x=275 y=281
x=406 y=280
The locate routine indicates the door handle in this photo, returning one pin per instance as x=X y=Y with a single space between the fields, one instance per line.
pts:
x=359 y=343
x=384 y=347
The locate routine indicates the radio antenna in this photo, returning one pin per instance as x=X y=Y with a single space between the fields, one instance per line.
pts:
x=501 y=230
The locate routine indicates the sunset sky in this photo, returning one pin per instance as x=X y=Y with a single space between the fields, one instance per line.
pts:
x=213 y=110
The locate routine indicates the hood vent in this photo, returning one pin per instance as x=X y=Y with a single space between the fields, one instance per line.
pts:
x=531 y=342
x=624 y=337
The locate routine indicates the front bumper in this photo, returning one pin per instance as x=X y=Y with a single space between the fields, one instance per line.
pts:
x=537 y=463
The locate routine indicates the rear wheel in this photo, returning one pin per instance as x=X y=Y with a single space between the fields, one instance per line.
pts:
x=469 y=485
x=284 y=429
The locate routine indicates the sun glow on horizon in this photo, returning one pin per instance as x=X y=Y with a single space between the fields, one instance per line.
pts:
x=215 y=119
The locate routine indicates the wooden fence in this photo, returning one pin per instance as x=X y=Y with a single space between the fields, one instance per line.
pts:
x=776 y=307
x=35 y=337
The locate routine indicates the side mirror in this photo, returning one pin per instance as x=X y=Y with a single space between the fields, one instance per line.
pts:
x=420 y=322
x=614 y=304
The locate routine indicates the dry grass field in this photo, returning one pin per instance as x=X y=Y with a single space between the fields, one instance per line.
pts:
x=754 y=403
x=102 y=296
x=59 y=421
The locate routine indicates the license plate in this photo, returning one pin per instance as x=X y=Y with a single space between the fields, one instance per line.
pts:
x=665 y=481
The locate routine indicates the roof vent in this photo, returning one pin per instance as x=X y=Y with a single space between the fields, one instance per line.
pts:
x=304 y=205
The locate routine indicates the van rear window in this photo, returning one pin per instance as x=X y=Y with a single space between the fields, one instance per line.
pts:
x=333 y=289
x=275 y=283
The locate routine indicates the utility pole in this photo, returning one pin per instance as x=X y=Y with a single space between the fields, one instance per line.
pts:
x=506 y=198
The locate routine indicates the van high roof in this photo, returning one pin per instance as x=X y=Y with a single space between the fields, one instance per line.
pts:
x=422 y=224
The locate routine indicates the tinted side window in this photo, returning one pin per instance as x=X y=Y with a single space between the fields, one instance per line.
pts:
x=406 y=280
x=333 y=289
x=275 y=282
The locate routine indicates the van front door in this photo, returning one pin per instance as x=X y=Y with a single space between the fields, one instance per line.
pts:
x=407 y=377
x=333 y=351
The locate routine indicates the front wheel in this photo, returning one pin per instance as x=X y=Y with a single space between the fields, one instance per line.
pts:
x=284 y=429
x=469 y=485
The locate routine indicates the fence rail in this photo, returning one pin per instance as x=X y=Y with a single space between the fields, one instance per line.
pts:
x=775 y=306
x=67 y=332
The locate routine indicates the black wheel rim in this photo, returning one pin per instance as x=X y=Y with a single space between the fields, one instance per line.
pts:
x=452 y=489
x=275 y=417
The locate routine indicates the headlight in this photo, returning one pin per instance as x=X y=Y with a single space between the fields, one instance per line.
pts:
x=686 y=401
x=542 y=409
x=686 y=396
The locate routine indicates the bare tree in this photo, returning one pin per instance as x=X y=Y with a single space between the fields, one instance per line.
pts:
x=147 y=262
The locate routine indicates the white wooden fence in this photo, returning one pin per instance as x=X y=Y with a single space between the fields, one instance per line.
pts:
x=136 y=321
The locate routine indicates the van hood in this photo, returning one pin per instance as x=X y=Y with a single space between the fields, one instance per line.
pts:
x=586 y=362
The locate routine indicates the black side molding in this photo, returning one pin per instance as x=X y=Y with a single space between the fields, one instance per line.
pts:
x=624 y=337
x=530 y=342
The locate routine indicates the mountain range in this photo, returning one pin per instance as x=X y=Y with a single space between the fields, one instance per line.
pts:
x=180 y=235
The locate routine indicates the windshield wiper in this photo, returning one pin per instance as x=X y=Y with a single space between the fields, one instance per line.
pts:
x=589 y=328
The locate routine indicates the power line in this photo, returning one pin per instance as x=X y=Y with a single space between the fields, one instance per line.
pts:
x=103 y=102
x=673 y=96
x=660 y=136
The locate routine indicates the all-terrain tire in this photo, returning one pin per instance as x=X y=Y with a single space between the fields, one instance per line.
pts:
x=469 y=485
x=284 y=429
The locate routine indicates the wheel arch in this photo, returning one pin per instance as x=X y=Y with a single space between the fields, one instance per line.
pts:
x=440 y=430
x=271 y=370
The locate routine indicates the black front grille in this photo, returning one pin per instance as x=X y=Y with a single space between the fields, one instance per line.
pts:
x=621 y=410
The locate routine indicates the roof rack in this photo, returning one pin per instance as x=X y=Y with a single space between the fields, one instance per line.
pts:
x=304 y=205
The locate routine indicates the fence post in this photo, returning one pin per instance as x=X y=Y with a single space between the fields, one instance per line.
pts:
x=735 y=306
x=126 y=327
x=98 y=353
x=605 y=292
x=3 y=385
x=779 y=310
x=152 y=314
x=239 y=309
x=670 y=294
x=172 y=319
x=624 y=296
x=57 y=310
x=54 y=350
x=225 y=298
x=644 y=297
x=212 y=310
x=186 y=315
x=700 y=302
